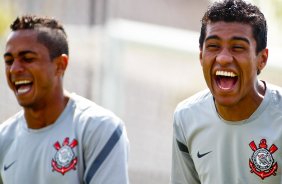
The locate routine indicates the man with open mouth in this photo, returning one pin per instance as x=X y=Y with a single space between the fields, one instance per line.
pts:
x=231 y=132
x=59 y=137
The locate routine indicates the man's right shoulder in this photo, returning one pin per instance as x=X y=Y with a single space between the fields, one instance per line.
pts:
x=9 y=125
x=195 y=100
x=8 y=132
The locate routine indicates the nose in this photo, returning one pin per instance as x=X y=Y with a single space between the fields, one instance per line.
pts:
x=16 y=67
x=224 y=57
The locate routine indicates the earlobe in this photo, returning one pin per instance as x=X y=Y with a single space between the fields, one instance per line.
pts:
x=201 y=57
x=62 y=63
x=263 y=56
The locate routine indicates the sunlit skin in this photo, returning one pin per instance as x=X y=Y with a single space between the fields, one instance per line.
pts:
x=39 y=90
x=231 y=47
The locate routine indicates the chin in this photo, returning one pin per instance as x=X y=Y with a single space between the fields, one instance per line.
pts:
x=226 y=102
x=25 y=104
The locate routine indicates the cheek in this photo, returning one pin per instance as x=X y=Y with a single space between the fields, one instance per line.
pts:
x=249 y=69
x=46 y=79
x=207 y=61
x=206 y=73
x=7 y=73
x=206 y=64
x=250 y=64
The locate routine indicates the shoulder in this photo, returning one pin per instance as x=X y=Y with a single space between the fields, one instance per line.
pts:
x=89 y=113
x=10 y=125
x=96 y=125
x=194 y=102
x=275 y=93
x=274 y=89
x=8 y=131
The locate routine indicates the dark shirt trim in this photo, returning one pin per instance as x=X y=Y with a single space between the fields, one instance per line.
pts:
x=103 y=154
x=182 y=147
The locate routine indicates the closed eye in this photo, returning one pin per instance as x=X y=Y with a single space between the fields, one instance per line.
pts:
x=27 y=59
x=8 y=61
x=212 y=46
x=238 y=48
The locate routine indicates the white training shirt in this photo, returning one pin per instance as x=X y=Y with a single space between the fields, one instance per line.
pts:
x=86 y=145
x=209 y=150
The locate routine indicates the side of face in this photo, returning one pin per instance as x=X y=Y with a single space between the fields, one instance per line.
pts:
x=30 y=73
x=230 y=62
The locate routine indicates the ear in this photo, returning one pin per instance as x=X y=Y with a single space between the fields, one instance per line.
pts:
x=61 y=64
x=201 y=57
x=262 y=59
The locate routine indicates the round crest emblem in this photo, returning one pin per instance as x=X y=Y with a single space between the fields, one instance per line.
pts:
x=64 y=159
x=262 y=162
x=262 y=159
x=64 y=156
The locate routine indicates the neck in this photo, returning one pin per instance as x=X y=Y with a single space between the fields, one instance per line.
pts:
x=242 y=111
x=45 y=115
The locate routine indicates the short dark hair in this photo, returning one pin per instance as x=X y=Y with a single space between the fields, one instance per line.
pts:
x=237 y=11
x=50 y=33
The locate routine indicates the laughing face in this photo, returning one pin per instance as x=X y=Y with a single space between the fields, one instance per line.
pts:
x=230 y=64
x=29 y=70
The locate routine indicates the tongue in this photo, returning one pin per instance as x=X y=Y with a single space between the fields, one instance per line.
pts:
x=226 y=82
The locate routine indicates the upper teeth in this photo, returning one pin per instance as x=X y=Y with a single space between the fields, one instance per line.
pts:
x=225 y=73
x=22 y=82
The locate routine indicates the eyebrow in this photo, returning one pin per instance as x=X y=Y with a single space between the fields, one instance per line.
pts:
x=212 y=37
x=238 y=38
x=241 y=39
x=22 y=53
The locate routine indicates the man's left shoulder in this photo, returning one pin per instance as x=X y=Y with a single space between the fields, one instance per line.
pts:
x=274 y=90
x=275 y=94
x=92 y=112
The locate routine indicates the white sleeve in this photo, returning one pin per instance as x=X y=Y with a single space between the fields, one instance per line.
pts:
x=183 y=170
x=106 y=156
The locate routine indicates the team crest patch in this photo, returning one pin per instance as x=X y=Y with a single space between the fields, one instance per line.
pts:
x=64 y=159
x=262 y=162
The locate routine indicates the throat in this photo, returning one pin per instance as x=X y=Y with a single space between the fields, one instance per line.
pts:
x=38 y=122
x=238 y=112
x=37 y=118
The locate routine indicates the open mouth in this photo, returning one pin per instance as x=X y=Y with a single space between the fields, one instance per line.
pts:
x=226 y=80
x=23 y=86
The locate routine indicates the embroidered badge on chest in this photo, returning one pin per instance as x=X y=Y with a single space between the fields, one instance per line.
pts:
x=262 y=162
x=64 y=159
